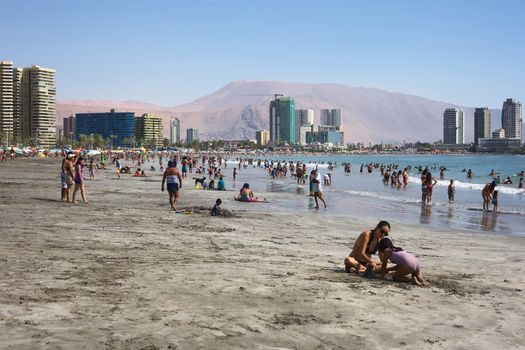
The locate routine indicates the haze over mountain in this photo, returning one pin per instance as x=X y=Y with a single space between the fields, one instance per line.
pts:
x=240 y=108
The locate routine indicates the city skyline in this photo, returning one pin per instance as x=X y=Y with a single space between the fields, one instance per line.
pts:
x=407 y=51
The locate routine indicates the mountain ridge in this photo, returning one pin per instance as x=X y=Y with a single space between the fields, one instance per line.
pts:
x=239 y=108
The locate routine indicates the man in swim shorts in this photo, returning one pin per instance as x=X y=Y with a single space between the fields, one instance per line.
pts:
x=174 y=184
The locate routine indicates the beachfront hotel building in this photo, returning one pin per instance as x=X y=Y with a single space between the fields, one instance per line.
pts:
x=453 y=126
x=192 y=134
x=481 y=124
x=498 y=143
x=114 y=126
x=282 y=120
x=6 y=101
x=174 y=130
x=262 y=137
x=304 y=119
x=148 y=130
x=511 y=118
x=324 y=136
x=332 y=117
x=38 y=106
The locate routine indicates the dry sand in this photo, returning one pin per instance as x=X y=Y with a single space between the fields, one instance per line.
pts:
x=124 y=272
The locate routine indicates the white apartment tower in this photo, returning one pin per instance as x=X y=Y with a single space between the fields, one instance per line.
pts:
x=511 y=118
x=453 y=126
x=6 y=101
x=303 y=118
x=174 y=130
x=332 y=117
x=39 y=106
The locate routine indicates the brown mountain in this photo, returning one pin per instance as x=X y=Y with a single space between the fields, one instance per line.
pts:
x=240 y=108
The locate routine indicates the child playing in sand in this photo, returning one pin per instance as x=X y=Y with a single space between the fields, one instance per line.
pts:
x=495 y=201
x=451 y=191
x=216 y=210
x=406 y=264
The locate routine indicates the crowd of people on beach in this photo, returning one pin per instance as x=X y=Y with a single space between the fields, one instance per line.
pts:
x=207 y=172
x=393 y=260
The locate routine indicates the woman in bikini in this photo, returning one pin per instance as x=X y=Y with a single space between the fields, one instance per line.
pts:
x=364 y=246
x=429 y=184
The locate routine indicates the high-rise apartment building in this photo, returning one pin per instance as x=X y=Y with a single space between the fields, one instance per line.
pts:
x=115 y=126
x=511 y=118
x=69 y=129
x=303 y=118
x=453 y=126
x=174 y=130
x=148 y=130
x=38 y=94
x=27 y=105
x=332 y=117
x=6 y=101
x=17 y=103
x=282 y=120
x=262 y=137
x=192 y=134
x=481 y=124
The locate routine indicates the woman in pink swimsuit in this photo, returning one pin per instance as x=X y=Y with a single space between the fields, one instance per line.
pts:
x=406 y=263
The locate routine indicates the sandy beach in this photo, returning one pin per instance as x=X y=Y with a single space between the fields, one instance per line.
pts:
x=124 y=272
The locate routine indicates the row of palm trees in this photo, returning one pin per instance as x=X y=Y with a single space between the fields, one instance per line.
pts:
x=95 y=141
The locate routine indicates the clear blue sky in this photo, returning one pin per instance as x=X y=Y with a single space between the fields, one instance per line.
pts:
x=170 y=52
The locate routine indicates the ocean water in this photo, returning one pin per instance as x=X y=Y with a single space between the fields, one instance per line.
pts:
x=364 y=195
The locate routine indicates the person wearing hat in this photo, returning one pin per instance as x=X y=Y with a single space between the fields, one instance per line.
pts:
x=487 y=193
x=67 y=175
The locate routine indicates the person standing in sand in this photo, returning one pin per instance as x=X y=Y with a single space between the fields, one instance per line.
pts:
x=365 y=245
x=486 y=193
x=91 y=169
x=65 y=178
x=174 y=184
x=80 y=180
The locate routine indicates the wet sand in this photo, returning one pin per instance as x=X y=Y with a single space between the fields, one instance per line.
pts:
x=124 y=272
